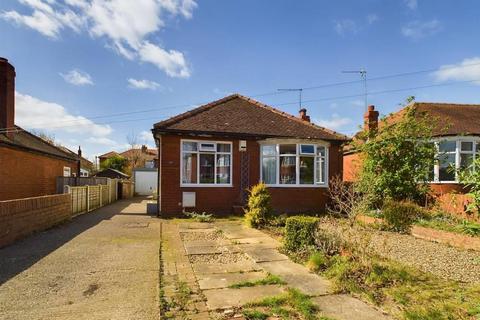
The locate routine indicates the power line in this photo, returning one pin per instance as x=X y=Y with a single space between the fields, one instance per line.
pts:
x=285 y=103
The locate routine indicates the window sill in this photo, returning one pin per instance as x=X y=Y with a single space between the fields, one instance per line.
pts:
x=205 y=185
x=297 y=185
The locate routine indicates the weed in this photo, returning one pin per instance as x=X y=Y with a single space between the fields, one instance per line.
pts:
x=269 y=279
x=200 y=217
x=255 y=315
x=317 y=261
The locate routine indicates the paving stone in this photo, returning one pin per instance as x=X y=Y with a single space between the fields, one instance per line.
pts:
x=211 y=268
x=195 y=225
x=309 y=284
x=205 y=250
x=258 y=240
x=217 y=281
x=228 y=298
x=344 y=307
x=264 y=255
x=282 y=268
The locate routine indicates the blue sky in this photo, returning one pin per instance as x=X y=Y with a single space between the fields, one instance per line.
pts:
x=91 y=72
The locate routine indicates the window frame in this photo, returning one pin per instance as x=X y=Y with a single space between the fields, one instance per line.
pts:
x=215 y=153
x=458 y=152
x=297 y=156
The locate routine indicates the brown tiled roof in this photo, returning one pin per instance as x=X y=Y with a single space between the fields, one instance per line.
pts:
x=108 y=154
x=30 y=142
x=452 y=118
x=149 y=155
x=240 y=115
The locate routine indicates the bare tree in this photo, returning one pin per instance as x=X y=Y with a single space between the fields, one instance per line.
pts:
x=345 y=199
x=136 y=155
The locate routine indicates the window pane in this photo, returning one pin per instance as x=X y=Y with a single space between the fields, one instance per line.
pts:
x=447 y=167
x=288 y=174
x=307 y=149
x=447 y=146
x=189 y=168
x=189 y=146
x=269 y=170
x=466 y=160
x=207 y=146
x=207 y=164
x=320 y=168
x=288 y=149
x=223 y=147
x=467 y=146
x=321 y=151
x=223 y=168
x=306 y=170
x=269 y=150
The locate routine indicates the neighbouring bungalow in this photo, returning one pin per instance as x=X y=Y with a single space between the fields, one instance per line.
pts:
x=29 y=165
x=456 y=134
x=210 y=156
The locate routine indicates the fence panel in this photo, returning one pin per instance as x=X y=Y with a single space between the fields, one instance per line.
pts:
x=87 y=198
x=93 y=197
x=79 y=199
x=79 y=182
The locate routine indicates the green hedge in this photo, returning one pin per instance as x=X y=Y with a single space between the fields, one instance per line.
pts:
x=300 y=232
x=400 y=215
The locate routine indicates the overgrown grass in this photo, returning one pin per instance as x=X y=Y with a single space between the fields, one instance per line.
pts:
x=451 y=224
x=289 y=305
x=403 y=291
x=269 y=279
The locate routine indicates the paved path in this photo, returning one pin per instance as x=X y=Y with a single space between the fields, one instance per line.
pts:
x=209 y=257
x=101 y=265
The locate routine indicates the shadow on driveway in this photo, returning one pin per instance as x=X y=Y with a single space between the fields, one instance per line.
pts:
x=22 y=254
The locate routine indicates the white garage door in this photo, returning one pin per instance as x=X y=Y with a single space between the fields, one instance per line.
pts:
x=145 y=182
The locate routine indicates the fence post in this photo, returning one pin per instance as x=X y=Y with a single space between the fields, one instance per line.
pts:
x=101 y=194
x=109 y=191
x=88 y=199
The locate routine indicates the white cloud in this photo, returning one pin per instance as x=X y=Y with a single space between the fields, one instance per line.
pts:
x=102 y=141
x=345 y=26
x=372 y=18
x=127 y=25
x=411 y=4
x=467 y=69
x=335 y=123
x=143 y=84
x=33 y=113
x=77 y=77
x=146 y=137
x=417 y=29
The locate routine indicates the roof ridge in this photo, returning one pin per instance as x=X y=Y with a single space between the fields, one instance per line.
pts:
x=289 y=116
x=49 y=143
x=446 y=103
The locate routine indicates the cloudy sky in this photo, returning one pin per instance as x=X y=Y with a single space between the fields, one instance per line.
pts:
x=91 y=72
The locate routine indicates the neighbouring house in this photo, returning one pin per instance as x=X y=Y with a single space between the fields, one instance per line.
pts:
x=86 y=166
x=210 y=156
x=29 y=165
x=456 y=136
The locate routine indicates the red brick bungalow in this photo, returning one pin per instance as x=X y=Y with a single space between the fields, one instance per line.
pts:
x=210 y=156
x=456 y=135
x=29 y=165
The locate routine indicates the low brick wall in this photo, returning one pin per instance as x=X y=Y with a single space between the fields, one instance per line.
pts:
x=21 y=217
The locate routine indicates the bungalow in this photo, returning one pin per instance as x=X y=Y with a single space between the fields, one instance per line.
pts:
x=456 y=134
x=210 y=156
x=29 y=164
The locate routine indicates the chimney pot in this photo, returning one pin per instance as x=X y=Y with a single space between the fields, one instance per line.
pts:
x=7 y=96
x=144 y=149
x=302 y=114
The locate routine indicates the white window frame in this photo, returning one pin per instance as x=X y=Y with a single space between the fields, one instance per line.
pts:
x=215 y=153
x=458 y=144
x=67 y=171
x=297 y=156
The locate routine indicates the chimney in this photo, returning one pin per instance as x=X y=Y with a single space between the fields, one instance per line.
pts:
x=79 y=152
x=144 y=149
x=302 y=114
x=7 y=96
x=371 y=119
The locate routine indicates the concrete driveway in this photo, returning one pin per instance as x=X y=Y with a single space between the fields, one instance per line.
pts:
x=101 y=265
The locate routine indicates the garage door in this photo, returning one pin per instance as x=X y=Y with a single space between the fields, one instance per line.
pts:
x=145 y=182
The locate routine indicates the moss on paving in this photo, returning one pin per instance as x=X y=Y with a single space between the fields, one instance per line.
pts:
x=269 y=279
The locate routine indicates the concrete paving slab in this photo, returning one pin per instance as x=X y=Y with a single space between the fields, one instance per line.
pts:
x=205 y=250
x=309 y=284
x=195 y=225
x=217 y=281
x=228 y=298
x=210 y=268
x=283 y=268
x=344 y=307
x=258 y=240
x=264 y=255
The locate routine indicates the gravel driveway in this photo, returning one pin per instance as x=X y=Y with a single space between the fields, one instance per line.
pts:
x=440 y=259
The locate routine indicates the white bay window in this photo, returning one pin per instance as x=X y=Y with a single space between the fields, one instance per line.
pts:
x=452 y=155
x=292 y=164
x=206 y=163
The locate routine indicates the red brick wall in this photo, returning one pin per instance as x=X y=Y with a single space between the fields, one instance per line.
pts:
x=351 y=166
x=220 y=200
x=19 y=218
x=25 y=174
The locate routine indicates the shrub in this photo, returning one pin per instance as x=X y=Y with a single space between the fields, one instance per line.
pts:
x=399 y=216
x=317 y=261
x=300 y=232
x=258 y=210
x=200 y=217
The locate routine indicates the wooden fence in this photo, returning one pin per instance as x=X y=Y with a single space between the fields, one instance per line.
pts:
x=88 y=198
x=62 y=182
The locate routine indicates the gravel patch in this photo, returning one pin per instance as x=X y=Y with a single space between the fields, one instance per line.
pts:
x=222 y=258
x=439 y=259
x=202 y=235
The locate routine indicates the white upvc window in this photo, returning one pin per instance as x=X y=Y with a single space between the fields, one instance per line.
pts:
x=67 y=172
x=205 y=163
x=454 y=153
x=294 y=164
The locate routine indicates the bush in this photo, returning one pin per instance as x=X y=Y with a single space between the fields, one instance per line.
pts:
x=200 y=217
x=317 y=261
x=399 y=216
x=300 y=232
x=258 y=210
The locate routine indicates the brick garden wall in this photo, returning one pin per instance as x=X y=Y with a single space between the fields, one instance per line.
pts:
x=220 y=200
x=26 y=174
x=21 y=217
